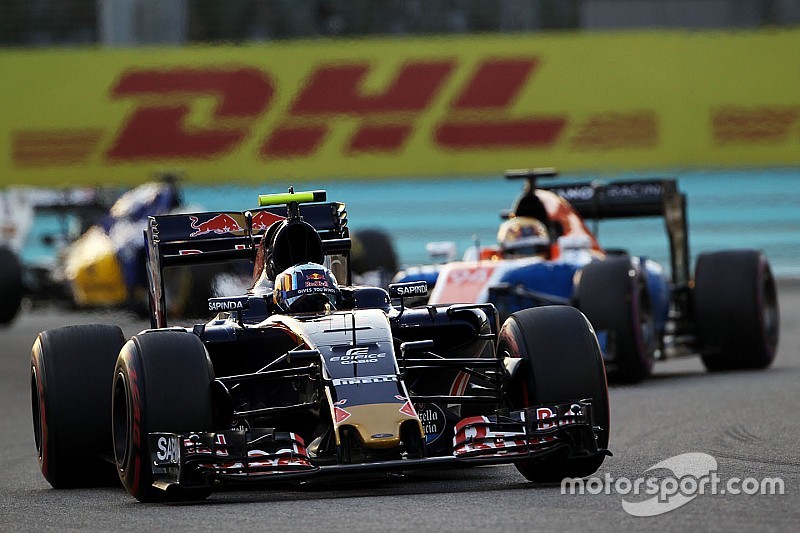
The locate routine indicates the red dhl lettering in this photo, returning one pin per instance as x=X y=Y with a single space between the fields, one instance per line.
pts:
x=335 y=90
x=482 y=114
x=495 y=86
x=157 y=127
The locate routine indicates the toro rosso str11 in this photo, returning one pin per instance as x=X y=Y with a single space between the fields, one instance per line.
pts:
x=727 y=310
x=308 y=377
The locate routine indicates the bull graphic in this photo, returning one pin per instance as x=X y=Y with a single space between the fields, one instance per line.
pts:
x=219 y=224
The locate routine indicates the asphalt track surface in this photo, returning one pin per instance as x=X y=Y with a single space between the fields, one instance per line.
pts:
x=749 y=422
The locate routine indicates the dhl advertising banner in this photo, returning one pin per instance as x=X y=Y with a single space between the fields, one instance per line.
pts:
x=401 y=107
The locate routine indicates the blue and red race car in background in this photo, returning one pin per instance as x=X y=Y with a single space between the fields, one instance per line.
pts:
x=84 y=248
x=726 y=310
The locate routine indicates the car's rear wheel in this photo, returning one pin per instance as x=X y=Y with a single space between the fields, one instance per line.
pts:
x=10 y=285
x=614 y=297
x=162 y=382
x=71 y=371
x=736 y=310
x=562 y=364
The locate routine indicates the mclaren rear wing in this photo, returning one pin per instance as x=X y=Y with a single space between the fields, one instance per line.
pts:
x=223 y=236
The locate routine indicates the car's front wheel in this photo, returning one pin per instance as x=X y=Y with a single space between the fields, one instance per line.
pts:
x=162 y=382
x=562 y=364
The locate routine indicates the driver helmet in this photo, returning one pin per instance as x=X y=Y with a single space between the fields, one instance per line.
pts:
x=306 y=288
x=524 y=236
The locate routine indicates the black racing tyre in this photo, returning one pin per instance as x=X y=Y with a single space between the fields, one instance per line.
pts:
x=373 y=250
x=11 y=289
x=71 y=371
x=562 y=363
x=613 y=295
x=736 y=310
x=162 y=382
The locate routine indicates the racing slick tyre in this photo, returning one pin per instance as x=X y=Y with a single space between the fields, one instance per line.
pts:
x=614 y=297
x=71 y=371
x=162 y=382
x=10 y=285
x=562 y=363
x=736 y=310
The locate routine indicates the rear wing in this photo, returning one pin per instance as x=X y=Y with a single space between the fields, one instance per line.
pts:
x=224 y=236
x=640 y=198
x=88 y=204
x=617 y=199
x=593 y=200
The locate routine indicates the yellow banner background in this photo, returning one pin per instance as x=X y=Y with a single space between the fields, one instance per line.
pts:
x=474 y=105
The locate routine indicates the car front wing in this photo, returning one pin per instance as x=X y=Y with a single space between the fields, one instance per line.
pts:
x=263 y=455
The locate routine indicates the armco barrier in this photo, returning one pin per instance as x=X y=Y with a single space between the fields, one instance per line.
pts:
x=403 y=107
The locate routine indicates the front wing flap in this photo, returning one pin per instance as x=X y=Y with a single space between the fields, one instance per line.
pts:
x=527 y=432
x=196 y=459
x=235 y=454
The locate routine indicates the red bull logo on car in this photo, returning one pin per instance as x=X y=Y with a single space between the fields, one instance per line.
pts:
x=218 y=224
x=263 y=220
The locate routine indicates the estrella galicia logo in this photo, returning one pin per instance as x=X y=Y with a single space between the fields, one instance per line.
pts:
x=433 y=420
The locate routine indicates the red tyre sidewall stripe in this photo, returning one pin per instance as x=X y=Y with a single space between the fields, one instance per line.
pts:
x=44 y=459
x=136 y=425
x=132 y=469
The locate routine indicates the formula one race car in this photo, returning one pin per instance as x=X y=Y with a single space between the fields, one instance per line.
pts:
x=105 y=267
x=83 y=248
x=302 y=378
x=727 y=311
x=35 y=225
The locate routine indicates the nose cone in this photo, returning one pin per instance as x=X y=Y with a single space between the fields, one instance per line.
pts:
x=378 y=425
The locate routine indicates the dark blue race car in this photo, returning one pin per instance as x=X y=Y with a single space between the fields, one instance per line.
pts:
x=726 y=310
x=306 y=376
